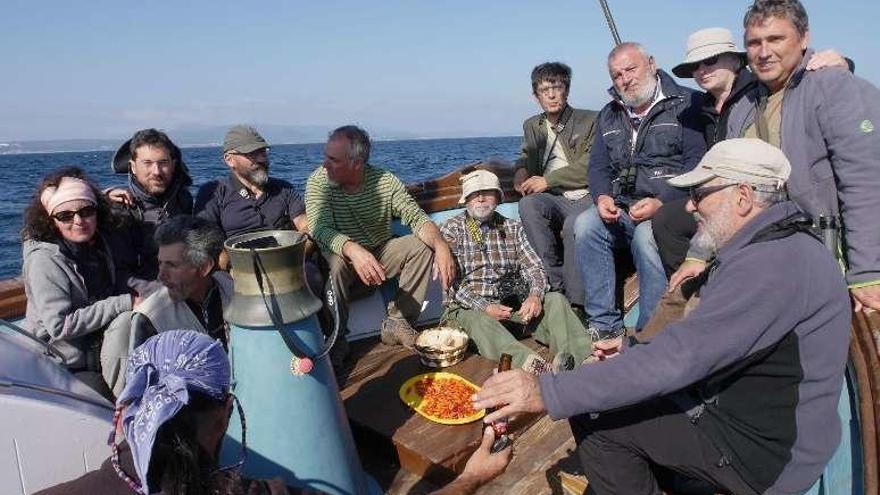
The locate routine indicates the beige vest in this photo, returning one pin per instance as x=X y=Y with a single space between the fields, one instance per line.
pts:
x=166 y=314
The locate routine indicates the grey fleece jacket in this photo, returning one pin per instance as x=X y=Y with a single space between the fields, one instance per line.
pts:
x=58 y=307
x=828 y=133
x=768 y=342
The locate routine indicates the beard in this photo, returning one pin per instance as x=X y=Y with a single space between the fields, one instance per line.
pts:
x=481 y=212
x=714 y=233
x=641 y=95
x=258 y=176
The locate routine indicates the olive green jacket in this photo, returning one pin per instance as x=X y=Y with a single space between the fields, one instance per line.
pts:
x=576 y=139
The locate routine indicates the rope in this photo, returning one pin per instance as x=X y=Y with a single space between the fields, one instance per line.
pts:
x=610 y=20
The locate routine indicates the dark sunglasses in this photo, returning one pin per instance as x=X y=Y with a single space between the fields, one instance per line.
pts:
x=699 y=193
x=67 y=216
x=709 y=61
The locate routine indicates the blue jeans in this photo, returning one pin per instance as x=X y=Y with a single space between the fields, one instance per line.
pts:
x=596 y=241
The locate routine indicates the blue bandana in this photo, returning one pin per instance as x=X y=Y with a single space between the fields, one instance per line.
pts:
x=161 y=374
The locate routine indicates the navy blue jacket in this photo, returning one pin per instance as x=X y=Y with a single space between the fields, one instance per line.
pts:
x=670 y=142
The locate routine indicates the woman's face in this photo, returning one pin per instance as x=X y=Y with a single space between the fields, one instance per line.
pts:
x=76 y=221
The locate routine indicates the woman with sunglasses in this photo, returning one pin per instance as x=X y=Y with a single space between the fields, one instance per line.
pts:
x=73 y=285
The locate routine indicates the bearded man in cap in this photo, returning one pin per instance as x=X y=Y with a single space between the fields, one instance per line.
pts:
x=488 y=247
x=248 y=199
x=695 y=400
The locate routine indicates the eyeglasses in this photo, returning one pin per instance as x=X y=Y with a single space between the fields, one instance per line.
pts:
x=253 y=155
x=554 y=88
x=84 y=212
x=699 y=193
x=709 y=61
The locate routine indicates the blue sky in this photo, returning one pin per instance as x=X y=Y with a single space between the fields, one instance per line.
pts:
x=101 y=69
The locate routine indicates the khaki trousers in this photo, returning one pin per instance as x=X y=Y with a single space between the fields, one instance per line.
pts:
x=558 y=327
x=407 y=258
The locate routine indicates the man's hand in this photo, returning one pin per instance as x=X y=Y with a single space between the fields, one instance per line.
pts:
x=531 y=308
x=368 y=268
x=519 y=177
x=444 y=265
x=866 y=297
x=688 y=270
x=481 y=468
x=498 y=311
x=644 y=209
x=121 y=196
x=607 y=349
x=513 y=391
x=535 y=184
x=608 y=211
x=826 y=58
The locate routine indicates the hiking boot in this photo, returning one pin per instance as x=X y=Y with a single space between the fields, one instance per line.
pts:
x=597 y=334
x=536 y=365
x=563 y=361
x=396 y=331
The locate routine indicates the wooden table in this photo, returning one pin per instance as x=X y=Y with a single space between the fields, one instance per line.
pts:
x=426 y=449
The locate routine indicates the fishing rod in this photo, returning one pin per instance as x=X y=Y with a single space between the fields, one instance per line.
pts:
x=610 y=20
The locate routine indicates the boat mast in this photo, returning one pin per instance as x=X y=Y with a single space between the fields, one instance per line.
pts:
x=610 y=20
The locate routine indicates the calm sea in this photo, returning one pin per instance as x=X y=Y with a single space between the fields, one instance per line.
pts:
x=412 y=161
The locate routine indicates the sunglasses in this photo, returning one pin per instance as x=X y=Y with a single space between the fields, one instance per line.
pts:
x=84 y=212
x=699 y=193
x=709 y=61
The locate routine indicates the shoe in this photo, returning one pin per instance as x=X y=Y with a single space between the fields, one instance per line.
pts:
x=396 y=331
x=597 y=334
x=536 y=365
x=563 y=361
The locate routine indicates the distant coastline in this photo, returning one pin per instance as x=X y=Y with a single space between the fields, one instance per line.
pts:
x=276 y=135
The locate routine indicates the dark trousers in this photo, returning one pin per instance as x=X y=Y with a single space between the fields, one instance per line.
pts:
x=548 y=220
x=633 y=450
x=673 y=229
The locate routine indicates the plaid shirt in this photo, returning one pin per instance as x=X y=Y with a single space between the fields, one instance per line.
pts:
x=504 y=248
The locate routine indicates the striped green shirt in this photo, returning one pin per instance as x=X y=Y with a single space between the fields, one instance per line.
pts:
x=363 y=217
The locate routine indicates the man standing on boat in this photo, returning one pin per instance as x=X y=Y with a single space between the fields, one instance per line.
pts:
x=248 y=199
x=158 y=190
x=737 y=394
x=825 y=122
x=647 y=134
x=551 y=175
x=488 y=248
x=350 y=206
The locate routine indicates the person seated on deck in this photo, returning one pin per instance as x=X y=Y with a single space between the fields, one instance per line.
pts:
x=551 y=175
x=488 y=248
x=649 y=132
x=738 y=393
x=350 y=205
x=158 y=190
x=72 y=281
x=172 y=435
x=193 y=294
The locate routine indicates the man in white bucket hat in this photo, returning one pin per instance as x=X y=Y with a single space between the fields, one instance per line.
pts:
x=489 y=249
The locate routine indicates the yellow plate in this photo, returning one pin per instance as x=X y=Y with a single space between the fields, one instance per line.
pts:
x=411 y=397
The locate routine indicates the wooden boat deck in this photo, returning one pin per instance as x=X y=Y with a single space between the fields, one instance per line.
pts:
x=544 y=462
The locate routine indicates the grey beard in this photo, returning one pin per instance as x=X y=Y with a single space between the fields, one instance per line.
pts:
x=473 y=213
x=258 y=177
x=643 y=97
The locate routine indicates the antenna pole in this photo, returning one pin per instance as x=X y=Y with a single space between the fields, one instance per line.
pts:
x=610 y=20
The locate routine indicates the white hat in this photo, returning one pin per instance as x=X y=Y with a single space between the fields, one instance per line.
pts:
x=704 y=44
x=479 y=180
x=746 y=160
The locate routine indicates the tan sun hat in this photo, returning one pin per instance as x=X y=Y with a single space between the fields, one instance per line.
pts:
x=479 y=180
x=705 y=43
x=745 y=160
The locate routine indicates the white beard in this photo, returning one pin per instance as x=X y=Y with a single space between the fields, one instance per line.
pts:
x=481 y=213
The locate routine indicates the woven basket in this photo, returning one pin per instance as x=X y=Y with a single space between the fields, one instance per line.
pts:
x=441 y=347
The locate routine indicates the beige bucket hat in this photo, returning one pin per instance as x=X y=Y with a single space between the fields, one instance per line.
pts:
x=705 y=43
x=479 y=180
x=745 y=160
